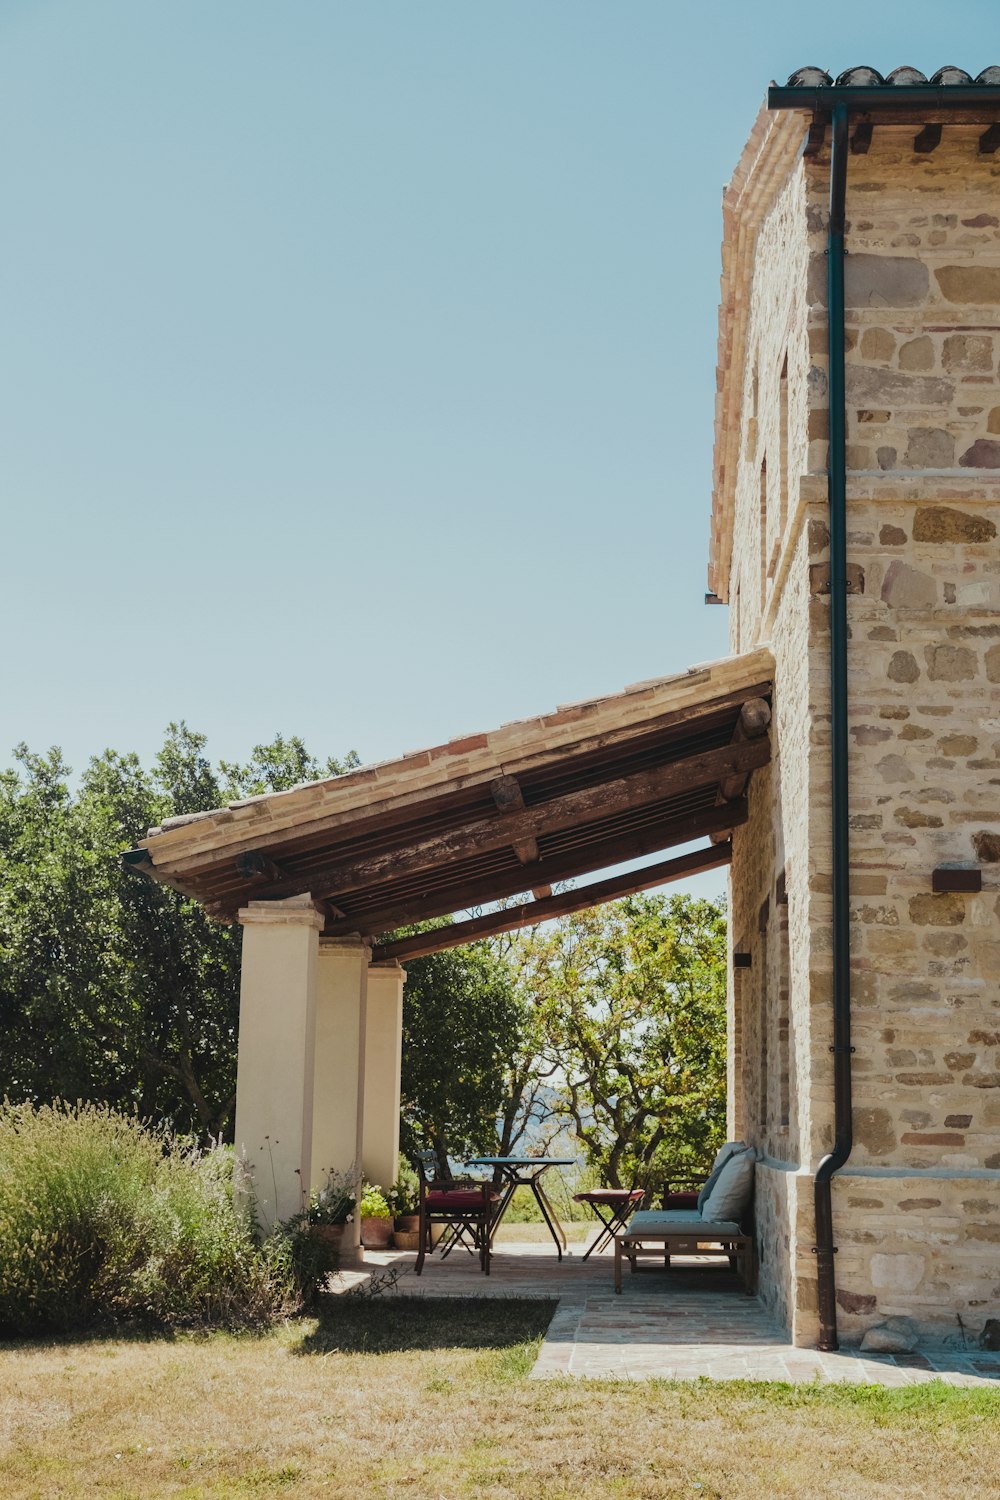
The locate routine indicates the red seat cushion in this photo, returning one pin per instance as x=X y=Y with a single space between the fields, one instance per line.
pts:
x=680 y=1200
x=460 y=1198
x=611 y=1196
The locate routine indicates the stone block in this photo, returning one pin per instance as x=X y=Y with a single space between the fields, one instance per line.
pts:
x=968 y=351
x=874 y=1130
x=868 y=386
x=907 y=588
x=884 y=281
x=894 y=1336
x=978 y=285
x=950 y=663
x=917 y=354
x=940 y=523
x=929 y=448
x=943 y=909
x=898 y=1273
x=903 y=666
x=984 y=454
x=985 y=842
x=892 y=536
x=877 y=343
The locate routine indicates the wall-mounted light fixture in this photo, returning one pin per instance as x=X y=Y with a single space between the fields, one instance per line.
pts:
x=967 y=878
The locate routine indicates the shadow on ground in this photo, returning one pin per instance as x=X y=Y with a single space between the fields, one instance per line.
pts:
x=362 y=1325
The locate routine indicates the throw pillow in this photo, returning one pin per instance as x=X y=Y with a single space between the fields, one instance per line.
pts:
x=730 y=1197
x=724 y=1153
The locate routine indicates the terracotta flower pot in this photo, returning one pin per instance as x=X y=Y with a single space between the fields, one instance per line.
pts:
x=376 y=1234
x=408 y=1223
x=332 y=1236
x=406 y=1239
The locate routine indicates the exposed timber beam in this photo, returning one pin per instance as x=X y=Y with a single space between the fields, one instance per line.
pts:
x=927 y=140
x=507 y=794
x=530 y=913
x=755 y=716
x=259 y=867
x=567 y=866
x=314 y=824
x=862 y=137
x=989 y=140
x=485 y=834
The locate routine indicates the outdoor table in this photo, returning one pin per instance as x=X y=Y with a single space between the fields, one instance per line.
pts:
x=526 y=1171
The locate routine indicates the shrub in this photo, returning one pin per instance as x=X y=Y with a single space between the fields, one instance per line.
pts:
x=104 y=1220
x=373 y=1203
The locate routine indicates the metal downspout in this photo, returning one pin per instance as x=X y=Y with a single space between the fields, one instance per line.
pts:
x=840 y=869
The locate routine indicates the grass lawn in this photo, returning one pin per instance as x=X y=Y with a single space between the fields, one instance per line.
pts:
x=417 y=1398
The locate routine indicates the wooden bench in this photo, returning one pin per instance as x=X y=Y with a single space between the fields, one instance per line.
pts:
x=684 y=1232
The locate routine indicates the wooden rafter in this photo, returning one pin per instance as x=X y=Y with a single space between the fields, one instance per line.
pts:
x=755 y=716
x=507 y=794
x=590 y=804
x=318 y=820
x=530 y=913
x=567 y=866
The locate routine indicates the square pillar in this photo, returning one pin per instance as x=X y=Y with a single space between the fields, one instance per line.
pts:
x=339 y=1075
x=383 y=1060
x=274 y=1079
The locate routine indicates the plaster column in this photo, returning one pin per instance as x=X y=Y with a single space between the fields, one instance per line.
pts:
x=339 y=1080
x=274 y=1079
x=383 y=1059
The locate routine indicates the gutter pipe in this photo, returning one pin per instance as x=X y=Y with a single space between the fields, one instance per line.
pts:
x=825 y=1249
x=837 y=103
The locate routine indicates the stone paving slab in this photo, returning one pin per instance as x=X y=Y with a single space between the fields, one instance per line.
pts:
x=692 y=1322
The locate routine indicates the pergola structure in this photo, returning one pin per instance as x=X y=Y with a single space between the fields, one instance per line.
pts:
x=324 y=876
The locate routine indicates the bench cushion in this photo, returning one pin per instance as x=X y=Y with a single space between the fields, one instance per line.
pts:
x=680 y=1222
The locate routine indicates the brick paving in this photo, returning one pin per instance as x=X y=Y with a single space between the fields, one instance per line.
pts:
x=686 y=1324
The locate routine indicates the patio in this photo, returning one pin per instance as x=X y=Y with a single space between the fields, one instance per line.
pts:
x=691 y=1323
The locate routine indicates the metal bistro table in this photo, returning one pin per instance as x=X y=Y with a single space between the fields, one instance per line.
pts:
x=526 y=1171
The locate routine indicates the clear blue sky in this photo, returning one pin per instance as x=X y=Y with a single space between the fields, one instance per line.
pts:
x=358 y=360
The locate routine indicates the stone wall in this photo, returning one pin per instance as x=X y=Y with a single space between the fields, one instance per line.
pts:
x=917 y=1213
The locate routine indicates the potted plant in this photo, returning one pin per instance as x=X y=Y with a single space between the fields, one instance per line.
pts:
x=331 y=1209
x=404 y=1200
x=376 y=1218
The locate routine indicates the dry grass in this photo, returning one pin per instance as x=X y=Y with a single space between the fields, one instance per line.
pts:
x=422 y=1399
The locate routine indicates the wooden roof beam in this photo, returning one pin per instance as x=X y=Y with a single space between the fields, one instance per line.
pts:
x=581 y=807
x=507 y=794
x=752 y=724
x=530 y=913
x=705 y=824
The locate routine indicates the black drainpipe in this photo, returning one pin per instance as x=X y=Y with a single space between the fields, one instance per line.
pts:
x=841 y=862
x=837 y=101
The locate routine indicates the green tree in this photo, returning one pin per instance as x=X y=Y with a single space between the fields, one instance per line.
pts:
x=113 y=988
x=634 y=1004
x=460 y=1022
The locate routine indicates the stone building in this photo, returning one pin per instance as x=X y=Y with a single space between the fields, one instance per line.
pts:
x=855 y=538
x=916 y=1206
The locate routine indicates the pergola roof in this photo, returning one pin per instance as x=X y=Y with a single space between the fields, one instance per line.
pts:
x=492 y=815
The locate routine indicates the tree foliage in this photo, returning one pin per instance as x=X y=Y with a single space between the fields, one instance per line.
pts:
x=460 y=1023
x=633 y=996
x=112 y=988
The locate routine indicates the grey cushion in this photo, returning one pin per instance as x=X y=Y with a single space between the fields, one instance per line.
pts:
x=730 y=1197
x=724 y=1153
x=680 y=1221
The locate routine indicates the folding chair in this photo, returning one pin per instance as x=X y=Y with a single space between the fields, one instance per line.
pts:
x=614 y=1207
x=464 y=1208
